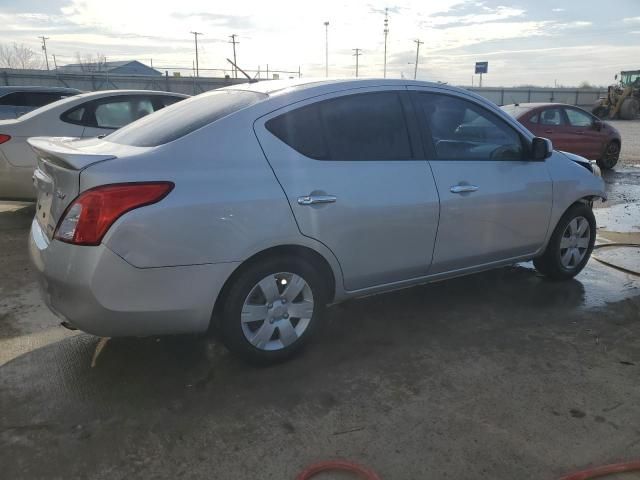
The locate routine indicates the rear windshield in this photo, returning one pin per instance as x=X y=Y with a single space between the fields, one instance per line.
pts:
x=184 y=117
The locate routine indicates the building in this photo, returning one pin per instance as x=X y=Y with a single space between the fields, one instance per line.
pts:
x=126 y=67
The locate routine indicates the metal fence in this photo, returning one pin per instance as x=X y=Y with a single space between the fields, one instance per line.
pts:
x=105 y=81
x=584 y=97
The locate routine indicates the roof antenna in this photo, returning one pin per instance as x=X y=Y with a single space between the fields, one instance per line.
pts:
x=251 y=80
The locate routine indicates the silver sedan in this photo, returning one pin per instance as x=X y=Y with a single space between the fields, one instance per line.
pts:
x=246 y=210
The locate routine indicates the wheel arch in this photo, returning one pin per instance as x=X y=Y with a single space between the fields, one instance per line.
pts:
x=314 y=257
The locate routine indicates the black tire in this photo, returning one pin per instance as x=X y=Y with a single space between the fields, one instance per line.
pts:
x=231 y=327
x=610 y=155
x=629 y=109
x=599 y=110
x=550 y=263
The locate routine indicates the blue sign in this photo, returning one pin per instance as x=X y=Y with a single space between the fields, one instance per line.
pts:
x=482 y=67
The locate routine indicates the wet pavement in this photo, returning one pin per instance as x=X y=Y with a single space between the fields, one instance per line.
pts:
x=498 y=375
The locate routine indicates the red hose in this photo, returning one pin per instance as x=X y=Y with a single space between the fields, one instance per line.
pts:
x=604 y=470
x=340 y=465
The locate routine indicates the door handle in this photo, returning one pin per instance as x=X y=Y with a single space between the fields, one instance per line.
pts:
x=579 y=133
x=548 y=131
x=315 y=199
x=463 y=188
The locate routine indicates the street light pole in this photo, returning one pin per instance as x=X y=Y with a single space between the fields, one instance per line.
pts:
x=195 y=36
x=418 y=43
x=386 y=32
x=326 y=49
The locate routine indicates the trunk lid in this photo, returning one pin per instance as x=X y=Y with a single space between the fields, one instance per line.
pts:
x=57 y=176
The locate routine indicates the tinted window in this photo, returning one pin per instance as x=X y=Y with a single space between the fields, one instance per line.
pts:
x=355 y=127
x=534 y=119
x=302 y=130
x=121 y=113
x=38 y=99
x=578 y=118
x=16 y=99
x=184 y=117
x=75 y=116
x=551 y=116
x=462 y=130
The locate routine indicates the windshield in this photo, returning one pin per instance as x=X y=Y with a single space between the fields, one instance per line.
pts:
x=184 y=117
x=629 y=78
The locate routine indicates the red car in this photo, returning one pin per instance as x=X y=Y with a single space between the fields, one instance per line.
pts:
x=570 y=129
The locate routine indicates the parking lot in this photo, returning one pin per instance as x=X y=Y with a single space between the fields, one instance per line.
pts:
x=498 y=375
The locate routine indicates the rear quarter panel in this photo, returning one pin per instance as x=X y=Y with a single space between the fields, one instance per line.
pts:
x=226 y=205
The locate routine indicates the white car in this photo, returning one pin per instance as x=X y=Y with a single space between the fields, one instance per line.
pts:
x=86 y=115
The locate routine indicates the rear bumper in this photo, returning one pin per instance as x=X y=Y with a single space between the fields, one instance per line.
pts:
x=96 y=291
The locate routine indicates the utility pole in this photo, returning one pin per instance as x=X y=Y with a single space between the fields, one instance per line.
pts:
x=195 y=37
x=54 y=62
x=418 y=43
x=386 y=32
x=357 y=54
x=326 y=49
x=44 y=48
x=234 y=42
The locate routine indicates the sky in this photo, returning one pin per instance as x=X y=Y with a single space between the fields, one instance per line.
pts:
x=526 y=42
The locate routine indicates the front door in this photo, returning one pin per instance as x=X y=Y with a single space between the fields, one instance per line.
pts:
x=495 y=204
x=588 y=141
x=349 y=168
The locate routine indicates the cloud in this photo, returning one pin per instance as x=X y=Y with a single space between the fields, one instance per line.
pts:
x=631 y=20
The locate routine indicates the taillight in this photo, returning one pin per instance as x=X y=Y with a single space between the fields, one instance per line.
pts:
x=4 y=138
x=88 y=217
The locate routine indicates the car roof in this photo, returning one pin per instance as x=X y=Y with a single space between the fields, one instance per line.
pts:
x=274 y=87
x=112 y=93
x=4 y=90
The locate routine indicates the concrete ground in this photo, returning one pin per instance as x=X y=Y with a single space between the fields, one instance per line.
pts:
x=499 y=375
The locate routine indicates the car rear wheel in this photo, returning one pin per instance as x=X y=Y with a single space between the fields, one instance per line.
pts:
x=272 y=309
x=570 y=245
x=610 y=156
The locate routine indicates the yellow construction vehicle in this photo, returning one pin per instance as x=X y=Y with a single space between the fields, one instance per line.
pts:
x=622 y=100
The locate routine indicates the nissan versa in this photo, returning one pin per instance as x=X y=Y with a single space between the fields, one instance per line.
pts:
x=246 y=210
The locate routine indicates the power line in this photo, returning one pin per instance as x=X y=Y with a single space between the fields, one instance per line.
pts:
x=357 y=55
x=418 y=43
x=235 y=61
x=195 y=37
x=44 y=48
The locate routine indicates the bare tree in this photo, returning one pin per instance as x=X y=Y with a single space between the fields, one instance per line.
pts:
x=19 y=56
x=91 y=63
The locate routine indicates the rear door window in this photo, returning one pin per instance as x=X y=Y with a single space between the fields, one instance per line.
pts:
x=552 y=117
x=369 y=126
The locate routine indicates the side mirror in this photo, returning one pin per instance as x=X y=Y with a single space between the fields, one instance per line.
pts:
x=597 y=124
x=541 y=148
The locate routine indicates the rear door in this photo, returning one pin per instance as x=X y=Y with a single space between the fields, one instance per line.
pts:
x=349 y=166
x=552 y=124
x=589 y=142
x=495 y=204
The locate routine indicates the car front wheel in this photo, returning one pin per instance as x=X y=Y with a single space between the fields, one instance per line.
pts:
x=272 y=309
x=570 y=245
x=610 y=156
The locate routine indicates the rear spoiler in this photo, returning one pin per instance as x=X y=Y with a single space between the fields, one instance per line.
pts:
x=60 y=151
